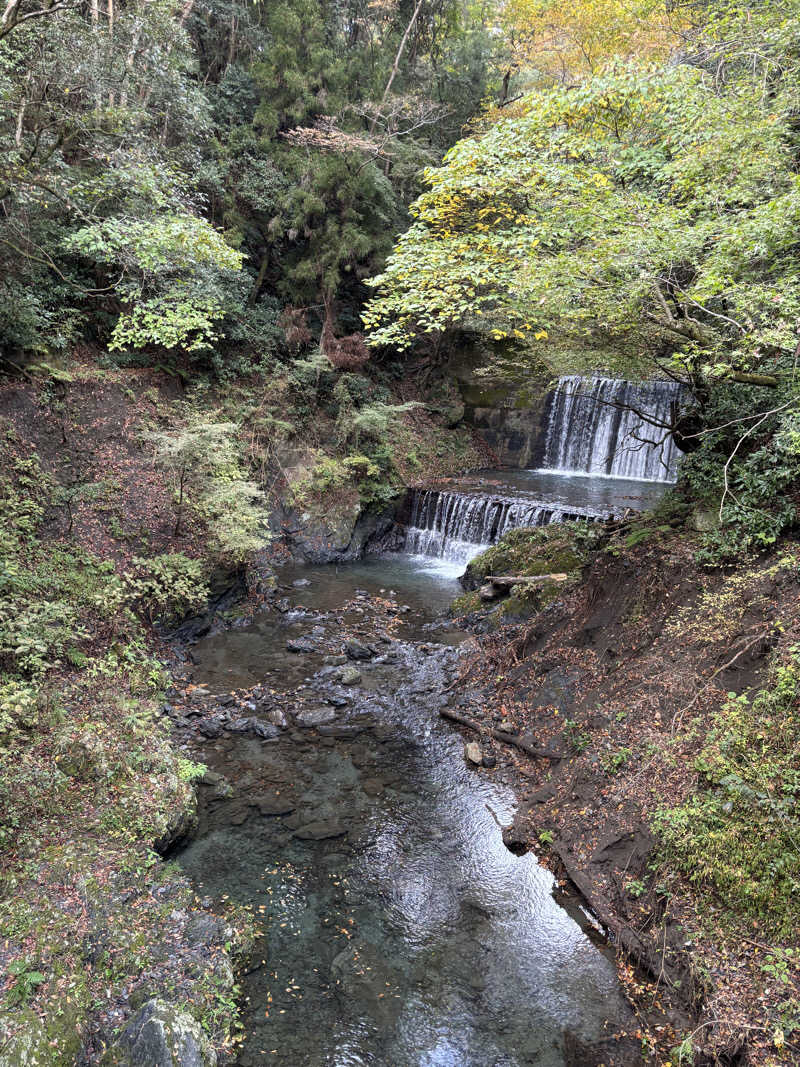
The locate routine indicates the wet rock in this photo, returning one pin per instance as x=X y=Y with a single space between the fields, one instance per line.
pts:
x=473 y=753
x=515 y=839
x=337 y=701
x=277 y=718
x=200 y=696
x=300 y=644
x=160 y=1035
x=265 y=730
x=336 y=661
x=283 y=605
x=210 y=728
x=357 y=650
x=272 y=805
x=301 y=583
x=351 y=729
x=320 y=830
x=316 y=717
x=204 y=930
x=489 y=760
x=350 y=676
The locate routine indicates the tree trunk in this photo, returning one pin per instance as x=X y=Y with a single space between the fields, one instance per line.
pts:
x=397 y=58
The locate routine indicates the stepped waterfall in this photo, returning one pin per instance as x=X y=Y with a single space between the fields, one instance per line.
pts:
x=599 y=428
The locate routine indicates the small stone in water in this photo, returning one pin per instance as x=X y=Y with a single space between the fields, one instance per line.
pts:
x=473 y=753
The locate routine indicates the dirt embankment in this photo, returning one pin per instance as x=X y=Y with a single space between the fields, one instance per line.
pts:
x=622 y=681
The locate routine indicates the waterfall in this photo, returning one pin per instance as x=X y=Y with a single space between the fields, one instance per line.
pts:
x=457 y=526
x=594 y=428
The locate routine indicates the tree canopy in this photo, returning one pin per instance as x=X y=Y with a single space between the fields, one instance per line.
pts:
x=647 y=208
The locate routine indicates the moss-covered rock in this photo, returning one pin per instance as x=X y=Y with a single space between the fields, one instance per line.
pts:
x=160 y=1035
x=527 y=552
x=466 y=604
x=28 y=1041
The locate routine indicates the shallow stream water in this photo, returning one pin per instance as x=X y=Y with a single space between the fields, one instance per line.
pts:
x=398 y=930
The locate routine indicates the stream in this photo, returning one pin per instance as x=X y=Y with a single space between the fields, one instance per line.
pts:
x=397 y=929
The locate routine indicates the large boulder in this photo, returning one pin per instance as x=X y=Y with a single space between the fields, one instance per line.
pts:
x=159 y=1035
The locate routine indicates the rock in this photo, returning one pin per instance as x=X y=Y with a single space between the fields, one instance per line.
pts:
x=488 y=592
x=28 y=1041
x=515 y=839
x=349 y=676
x=277 y=718
x=160 y=1035
x=223 y=790
x=350 y=729
x=204 y=930
x=336 y=661
x=473 y=753
x=357 y=650
x=489 y=760
x=209 y=728
x=320 y=830
x=283 y=605
x=265 y=730
x=272 y=805
x=200 y=696
x=181 y=822
x=301 y=583
x=238 y=818
x=337 y=701
x=316 y=717
x=373 y=787
x=85 y=758
x=300 y=644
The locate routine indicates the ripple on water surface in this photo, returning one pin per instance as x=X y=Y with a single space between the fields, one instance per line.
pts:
x=414 y=938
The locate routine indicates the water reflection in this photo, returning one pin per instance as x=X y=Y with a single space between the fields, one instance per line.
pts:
x=400 y=932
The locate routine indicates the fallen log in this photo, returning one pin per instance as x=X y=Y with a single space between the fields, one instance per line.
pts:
x=501 y=735
x=535 y=579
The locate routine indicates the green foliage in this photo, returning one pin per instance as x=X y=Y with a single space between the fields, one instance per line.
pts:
x=26 y=980
x=746 y=471
x=189 y=771
x=166 y=587
x=576 y=738
x=205 y=464
x=737 y=835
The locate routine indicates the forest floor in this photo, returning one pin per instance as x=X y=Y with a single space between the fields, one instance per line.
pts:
x=671 y=809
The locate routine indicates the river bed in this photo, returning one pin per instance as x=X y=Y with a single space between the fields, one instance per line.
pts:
x=397 y=928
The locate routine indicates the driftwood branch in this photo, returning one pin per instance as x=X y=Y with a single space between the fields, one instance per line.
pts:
x=501 y=735
x=536 y=579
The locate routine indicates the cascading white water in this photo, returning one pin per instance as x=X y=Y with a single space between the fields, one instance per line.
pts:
x=601 y=426
x=457 y=526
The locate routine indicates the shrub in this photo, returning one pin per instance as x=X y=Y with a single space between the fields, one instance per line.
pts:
x=166 y=587
x=738 y=834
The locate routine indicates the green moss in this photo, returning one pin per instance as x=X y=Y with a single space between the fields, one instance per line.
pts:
x=530 y=551
x=466 y=604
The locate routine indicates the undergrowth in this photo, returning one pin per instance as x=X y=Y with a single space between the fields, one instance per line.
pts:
x=738 y=836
